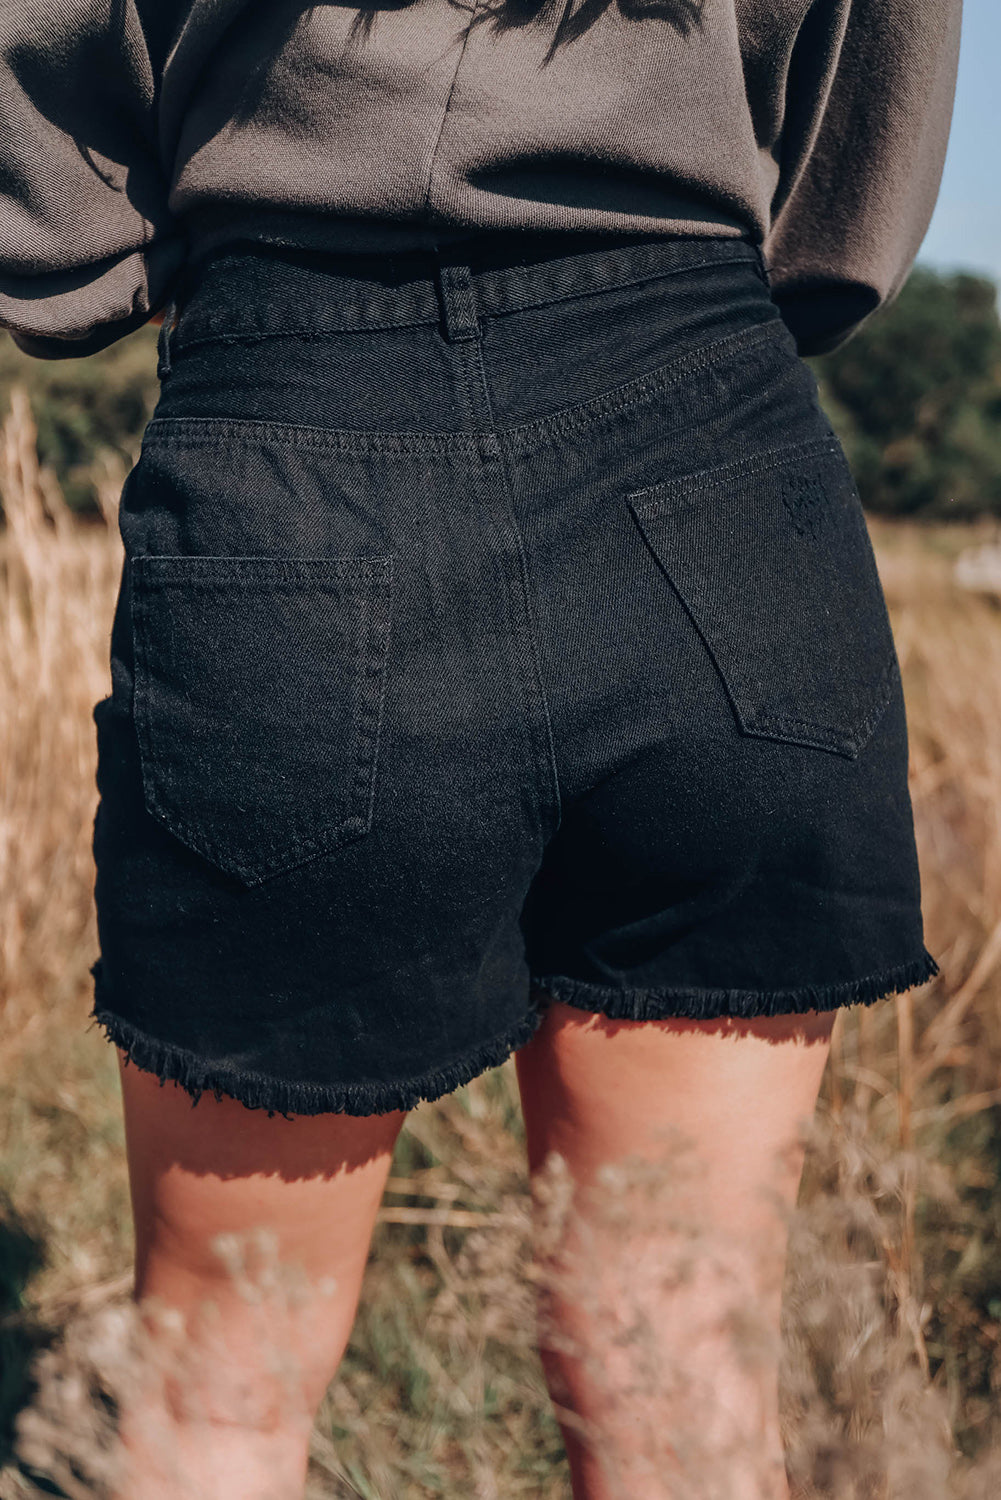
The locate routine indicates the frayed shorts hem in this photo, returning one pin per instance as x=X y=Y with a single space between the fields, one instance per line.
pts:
x=290 y=1097
x=196 y=1075
x=671 y=1002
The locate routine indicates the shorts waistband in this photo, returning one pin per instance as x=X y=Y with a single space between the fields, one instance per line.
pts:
x=252 y=291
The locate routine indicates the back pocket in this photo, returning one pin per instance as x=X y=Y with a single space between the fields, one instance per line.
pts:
x=772 y=559
x=259 y=685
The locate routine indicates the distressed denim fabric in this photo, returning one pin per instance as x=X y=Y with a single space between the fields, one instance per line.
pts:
x=498 y=623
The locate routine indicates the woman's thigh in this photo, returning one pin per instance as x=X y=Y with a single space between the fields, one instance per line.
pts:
x=661 y=1289
x=268 y=1220
x=599 y=1090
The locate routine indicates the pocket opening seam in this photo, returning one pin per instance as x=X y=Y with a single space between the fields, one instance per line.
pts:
x=659 y=499
x=180 y=567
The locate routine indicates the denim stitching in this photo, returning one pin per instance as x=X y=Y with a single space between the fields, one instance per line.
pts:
x=672 y=497
x=621 y=400
x=638 y=277
x=662 y=502
x=522 y=436
x=375 y=666
x=854 y=739
x=234 y=571
x=539 y=685
x=494 y=299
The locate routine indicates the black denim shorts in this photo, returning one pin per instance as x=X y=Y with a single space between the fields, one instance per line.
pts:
x=497 y=624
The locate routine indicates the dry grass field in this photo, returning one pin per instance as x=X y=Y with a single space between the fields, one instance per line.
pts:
x=892 y=1347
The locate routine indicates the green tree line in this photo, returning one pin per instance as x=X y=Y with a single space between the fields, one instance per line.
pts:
x=914 y=395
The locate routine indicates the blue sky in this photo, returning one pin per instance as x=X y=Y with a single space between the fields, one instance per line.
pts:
x=965 y=231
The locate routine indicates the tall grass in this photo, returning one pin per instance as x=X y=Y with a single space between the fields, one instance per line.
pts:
x=891 y=1373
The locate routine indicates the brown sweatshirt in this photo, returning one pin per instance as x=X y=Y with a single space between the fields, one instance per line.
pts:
x=137 y=134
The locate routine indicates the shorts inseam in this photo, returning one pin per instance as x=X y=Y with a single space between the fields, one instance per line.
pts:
x=671 y=1002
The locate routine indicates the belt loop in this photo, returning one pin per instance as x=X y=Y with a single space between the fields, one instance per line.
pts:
x=163 y=342
x=457 y=295
x=763 y=265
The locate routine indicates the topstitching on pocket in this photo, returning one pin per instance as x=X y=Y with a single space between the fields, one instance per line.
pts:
x=259 y=685
x=772 y=558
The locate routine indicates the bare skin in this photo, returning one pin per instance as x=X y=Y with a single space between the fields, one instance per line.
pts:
x=230 y=1425
x=733 y=1093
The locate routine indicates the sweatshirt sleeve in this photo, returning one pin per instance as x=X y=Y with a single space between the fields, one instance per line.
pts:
x=862 y=159
x=88 y=248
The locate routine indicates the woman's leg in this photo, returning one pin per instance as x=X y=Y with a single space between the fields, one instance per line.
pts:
x=250 y=1366
x=597 y=1092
